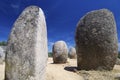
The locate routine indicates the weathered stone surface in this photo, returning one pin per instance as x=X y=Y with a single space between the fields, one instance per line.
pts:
x=60 y=52
x=118 y=61
x=26 y=56
x=72 y=53
x=96 y=41
x=2 y=54
x=4 y=48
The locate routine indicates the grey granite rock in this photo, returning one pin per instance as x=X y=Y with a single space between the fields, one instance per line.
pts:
x=60 y=52
x=96 y=41
x=27 y=51
x=2 y=54
x=72 y=53
x=4 y=48
x=117 y=76
x=118 y=61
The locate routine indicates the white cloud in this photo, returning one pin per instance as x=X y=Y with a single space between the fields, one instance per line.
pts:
x=14 y=6
x=50 y=43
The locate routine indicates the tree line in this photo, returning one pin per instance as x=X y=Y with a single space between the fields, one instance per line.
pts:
x=3 y=43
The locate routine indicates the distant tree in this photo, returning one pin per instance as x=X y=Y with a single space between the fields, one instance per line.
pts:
x=3 y=43
x=49 y=54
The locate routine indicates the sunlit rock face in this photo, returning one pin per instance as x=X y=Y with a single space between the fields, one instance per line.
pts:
x=2 y=54
x=27 y=51
x=60 y=52
x=72 y=53
x=96 y=41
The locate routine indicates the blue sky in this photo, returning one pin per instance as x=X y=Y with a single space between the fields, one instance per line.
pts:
x=61 y=16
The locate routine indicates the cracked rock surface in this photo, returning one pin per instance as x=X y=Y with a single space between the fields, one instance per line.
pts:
x=96 y=41
x=26 y=56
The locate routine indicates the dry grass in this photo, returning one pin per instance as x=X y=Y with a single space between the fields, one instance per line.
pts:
x=97 y=75
x=100 y=75
x=58 y=72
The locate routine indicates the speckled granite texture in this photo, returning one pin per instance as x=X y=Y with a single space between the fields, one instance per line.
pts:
x=27 y=51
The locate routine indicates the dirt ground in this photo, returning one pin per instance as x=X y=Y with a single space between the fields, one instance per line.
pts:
x=62 y=71
x=55 y=71
x=68 y=71
x=2 y=67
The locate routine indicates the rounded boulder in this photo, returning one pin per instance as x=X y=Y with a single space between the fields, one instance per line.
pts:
x=72 y=53
x=60 y=52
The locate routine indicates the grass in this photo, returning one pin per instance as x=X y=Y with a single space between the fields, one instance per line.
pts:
x=99 y=75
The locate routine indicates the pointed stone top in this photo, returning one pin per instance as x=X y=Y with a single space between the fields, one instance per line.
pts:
x=30 y=15
x=33 y=8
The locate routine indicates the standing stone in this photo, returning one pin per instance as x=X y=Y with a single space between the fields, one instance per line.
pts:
x=27 y=47
x=72 y=53
x=60 y=52
x=2 y=54
x=4 y=48
x=118 y=61
x=96 y=41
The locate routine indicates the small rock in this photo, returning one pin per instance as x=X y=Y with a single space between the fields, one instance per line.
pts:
x=118 y=61
x=117 y=76
x=72 y=53
x=60 y=52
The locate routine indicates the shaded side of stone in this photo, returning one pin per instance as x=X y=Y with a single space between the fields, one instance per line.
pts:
x=27 y=47
x=96 y=41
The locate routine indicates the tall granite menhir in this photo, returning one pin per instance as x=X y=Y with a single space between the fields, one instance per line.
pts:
x=96 y=41
x=26 y=56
